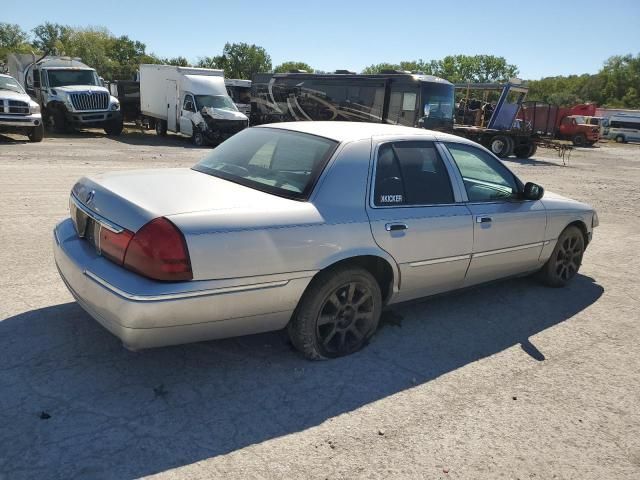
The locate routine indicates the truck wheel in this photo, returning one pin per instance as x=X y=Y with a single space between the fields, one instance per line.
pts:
x=500 y=145
x=579 y=139
x=620 y=139
x=526 y=151
x=197 y=137
x=161 y=128
x=114 y=128
x=338 y=313
x=37 y=133
x=57 y=122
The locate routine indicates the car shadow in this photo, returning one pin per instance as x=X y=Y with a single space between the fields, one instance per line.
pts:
x=74 y=403
x=534 y=162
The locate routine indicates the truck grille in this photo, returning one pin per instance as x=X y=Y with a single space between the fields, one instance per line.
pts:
x=14 y=107
x=90 y=101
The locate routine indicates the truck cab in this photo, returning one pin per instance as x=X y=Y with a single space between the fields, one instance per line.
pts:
x=69 y=92
x=576 y=129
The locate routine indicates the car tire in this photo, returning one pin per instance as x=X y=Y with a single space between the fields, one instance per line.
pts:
x=500 y=145
x=114 y=128
x=619 y=139
x=338 y=313
x=37 y=133
x=565 y=260
x=197 y=137
x=161 y=128
x=579 y=139
x=57 y=122
x=526 y=151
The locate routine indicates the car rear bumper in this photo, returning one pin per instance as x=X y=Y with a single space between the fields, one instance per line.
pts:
x=144 y=313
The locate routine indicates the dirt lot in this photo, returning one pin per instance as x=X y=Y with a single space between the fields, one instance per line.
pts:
x=511 y=380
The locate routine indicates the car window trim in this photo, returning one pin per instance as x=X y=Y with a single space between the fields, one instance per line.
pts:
x=460 y=179
x=372 y=181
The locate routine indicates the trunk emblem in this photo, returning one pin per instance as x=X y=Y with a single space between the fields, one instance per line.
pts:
x=90 y=196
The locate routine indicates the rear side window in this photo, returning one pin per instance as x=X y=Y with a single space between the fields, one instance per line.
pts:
x=411 y=173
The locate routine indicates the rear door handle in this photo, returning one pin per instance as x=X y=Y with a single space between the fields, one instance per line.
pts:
x=483 y=219
x=392 y=227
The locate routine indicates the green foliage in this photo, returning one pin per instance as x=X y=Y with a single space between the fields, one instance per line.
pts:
x=13 y=40
x=615 y=85
x=288 y=66
x=241 y=60
x=177 y=61
x=51 y=38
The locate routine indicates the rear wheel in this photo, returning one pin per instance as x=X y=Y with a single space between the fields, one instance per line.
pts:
x=579 y=139
x=620 y=139
x=501 y=146
x=37 y=133
x=526 y=151
x=338 y=313
x=161 y=128
x=565 y=259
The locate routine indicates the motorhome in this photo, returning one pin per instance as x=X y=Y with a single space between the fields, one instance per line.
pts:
x=389 y=97
x=624 y=128
x=192 y=102
x=240 y=93
x=69 y=92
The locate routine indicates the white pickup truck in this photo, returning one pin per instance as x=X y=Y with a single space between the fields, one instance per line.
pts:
x=18 y=113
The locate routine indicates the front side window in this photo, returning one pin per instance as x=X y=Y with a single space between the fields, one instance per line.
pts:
x=65 y=77
x=411 y=173
x=277 y=161
x=485 y=178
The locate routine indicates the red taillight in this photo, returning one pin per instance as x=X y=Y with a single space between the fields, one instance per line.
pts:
x=158 y=250
x=114 y=245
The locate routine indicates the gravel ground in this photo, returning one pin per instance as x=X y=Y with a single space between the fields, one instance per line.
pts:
x=511 y=380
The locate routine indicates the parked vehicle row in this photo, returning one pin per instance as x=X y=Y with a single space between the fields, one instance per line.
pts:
x=18 y=112
x=312 y=226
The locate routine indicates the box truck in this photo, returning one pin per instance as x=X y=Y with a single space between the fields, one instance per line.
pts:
x=69 y=92
x=189 y=101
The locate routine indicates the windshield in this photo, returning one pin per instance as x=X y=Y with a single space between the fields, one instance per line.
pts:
x=580 y=120
x=437 y=104
x=273 y=160
x=63 y=78
x=240 y=94
x=11 y=84
x=215 y=101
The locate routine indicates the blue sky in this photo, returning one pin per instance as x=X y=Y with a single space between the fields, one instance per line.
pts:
x=542 y=37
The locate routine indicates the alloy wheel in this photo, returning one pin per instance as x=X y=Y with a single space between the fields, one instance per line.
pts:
x=569 y=257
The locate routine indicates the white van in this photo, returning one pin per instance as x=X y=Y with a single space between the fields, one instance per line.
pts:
x=189 y=101
x=624 y=128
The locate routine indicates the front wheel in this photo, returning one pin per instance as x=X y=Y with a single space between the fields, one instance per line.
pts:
x=114 y=128
x=197 y=137
x=619 y=139
x=579 y=139
x=37 y=133
x=338 y=313
x=565 y=260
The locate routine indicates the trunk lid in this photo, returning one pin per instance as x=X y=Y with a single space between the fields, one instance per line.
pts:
x=131 y=199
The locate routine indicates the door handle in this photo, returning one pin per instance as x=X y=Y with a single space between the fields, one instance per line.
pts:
x=392 y=227
x=483 y=219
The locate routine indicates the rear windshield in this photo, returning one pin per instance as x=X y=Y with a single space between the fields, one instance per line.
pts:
x=273 y=160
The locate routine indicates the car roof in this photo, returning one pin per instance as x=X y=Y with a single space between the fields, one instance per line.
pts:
x=352 y=131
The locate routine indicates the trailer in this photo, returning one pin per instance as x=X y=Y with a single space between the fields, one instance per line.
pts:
x=192 y=102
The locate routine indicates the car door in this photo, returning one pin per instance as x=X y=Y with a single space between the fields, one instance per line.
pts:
x=186 y=115
x=418 y=217
x=508 y=232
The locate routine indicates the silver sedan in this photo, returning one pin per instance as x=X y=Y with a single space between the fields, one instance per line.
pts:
x=313 y=226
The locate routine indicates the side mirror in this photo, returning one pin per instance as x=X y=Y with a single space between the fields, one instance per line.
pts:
x=532 y=191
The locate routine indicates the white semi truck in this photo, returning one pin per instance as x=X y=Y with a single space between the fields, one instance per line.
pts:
x=69 y=92
x=189 y=101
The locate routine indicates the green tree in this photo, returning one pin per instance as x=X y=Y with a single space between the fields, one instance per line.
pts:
x=51 y=38
x=210 y=62
x=474 y=68
x=12 y=40
x=241 y=60
x=285 y=67
x=178 y=61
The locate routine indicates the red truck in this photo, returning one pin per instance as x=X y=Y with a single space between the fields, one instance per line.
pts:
x=564 y=123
